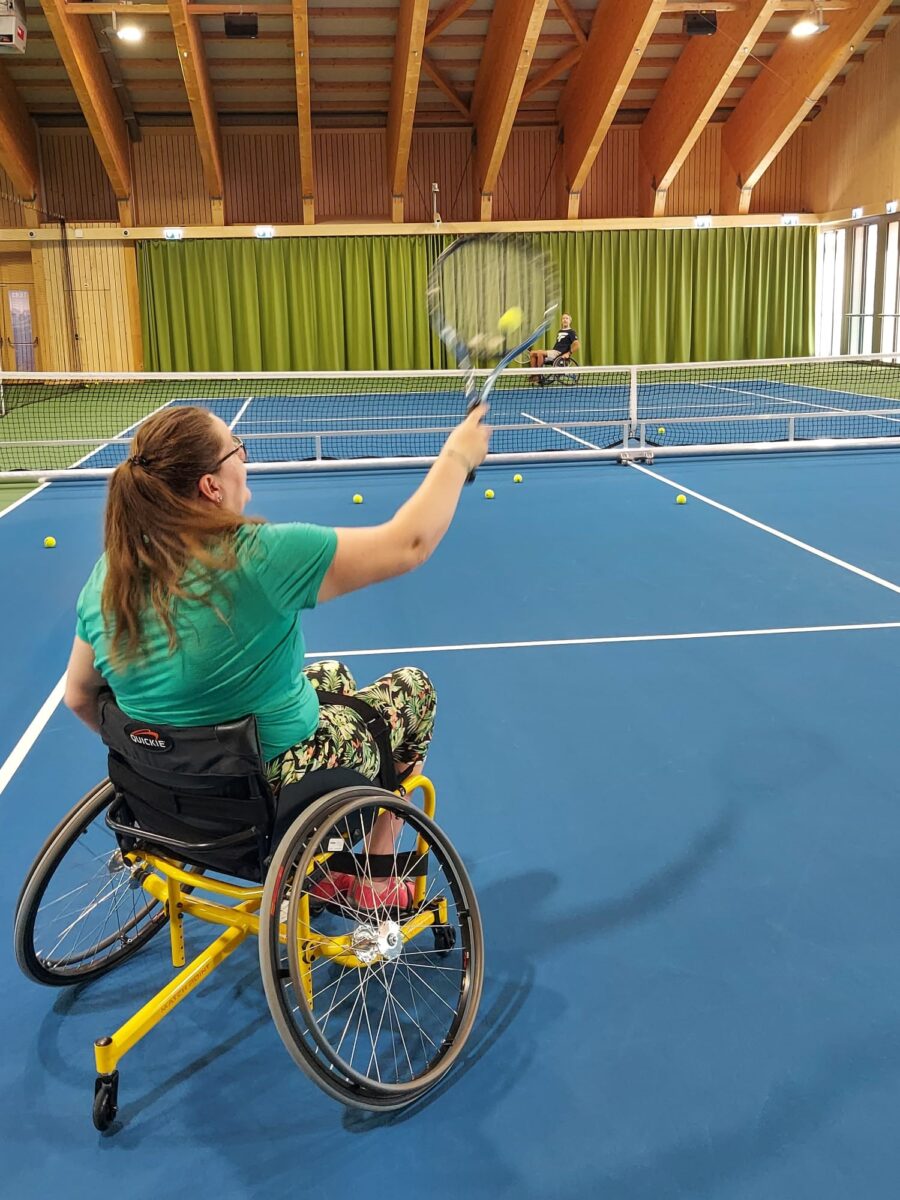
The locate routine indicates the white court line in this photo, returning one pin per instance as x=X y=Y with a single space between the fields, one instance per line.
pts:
x=733 y=512
x=623 y=639
x=843 y=412
x=784 y=537
x=240 y=412
x=31 y=734
x=21 y=500
x=562 y=432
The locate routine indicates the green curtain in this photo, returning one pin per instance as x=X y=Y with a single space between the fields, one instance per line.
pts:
x=358 y=303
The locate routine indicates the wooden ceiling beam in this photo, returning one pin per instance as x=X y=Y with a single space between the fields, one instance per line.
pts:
x=192 y=59
x=568 y=14
x=553 y=72
x=439 y=80
x=508 y=54
x=690 y=95
x=450 y=13
x=18 y=141
x=303 y=88
x=780 y=98
x=77 y=45
x=407 y=67
x=619 y=35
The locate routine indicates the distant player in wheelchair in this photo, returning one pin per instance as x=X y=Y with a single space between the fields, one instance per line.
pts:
x=561 y=354
x=228 y=757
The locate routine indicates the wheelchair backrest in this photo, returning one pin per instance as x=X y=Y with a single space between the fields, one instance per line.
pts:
x=192 y=785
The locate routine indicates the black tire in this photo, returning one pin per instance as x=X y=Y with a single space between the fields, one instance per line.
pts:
x=339 y=1070
x=105 y=1106
x=119 y=933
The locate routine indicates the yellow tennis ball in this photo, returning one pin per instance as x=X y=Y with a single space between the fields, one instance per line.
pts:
x=49 y=543
x=357 y=499
x=680 y=499
x=511 y=320
x=517 y=478
x=489 y=494
x=661 y=431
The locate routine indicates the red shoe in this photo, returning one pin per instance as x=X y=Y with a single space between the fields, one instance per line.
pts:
x=396 y=893
x=333 y=886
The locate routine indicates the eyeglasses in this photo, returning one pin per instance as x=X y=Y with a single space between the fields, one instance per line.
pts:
x=239 y=448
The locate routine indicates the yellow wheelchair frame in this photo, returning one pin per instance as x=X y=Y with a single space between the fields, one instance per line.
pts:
x=77 y=916
x=173 y=887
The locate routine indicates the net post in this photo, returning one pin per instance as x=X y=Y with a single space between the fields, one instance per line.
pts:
x=633 y=398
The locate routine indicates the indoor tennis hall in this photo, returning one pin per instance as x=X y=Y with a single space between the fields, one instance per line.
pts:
x=631 y=930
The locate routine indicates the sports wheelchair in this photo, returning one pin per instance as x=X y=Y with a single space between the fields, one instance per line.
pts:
x=557 y=371
x=372 y=964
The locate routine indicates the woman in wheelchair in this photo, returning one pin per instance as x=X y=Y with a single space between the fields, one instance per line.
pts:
x=191 y=616
x=188 y=659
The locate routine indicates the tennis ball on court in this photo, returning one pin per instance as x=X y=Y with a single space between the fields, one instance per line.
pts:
x=517 y=478
x=661 y=431
x=511 y=320
x=49 y=543
x=680 y=499
x=357 y=499
x=489 y=494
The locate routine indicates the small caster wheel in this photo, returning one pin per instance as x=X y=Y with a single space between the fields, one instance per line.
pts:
x=106 y=1095
x=444 y=938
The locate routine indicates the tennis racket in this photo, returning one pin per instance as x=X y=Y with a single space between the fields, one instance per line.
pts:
x=490 y=297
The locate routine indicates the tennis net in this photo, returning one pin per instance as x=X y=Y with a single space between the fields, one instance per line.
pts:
x=82 y=423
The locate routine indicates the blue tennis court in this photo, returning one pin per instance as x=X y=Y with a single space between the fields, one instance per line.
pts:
x=665 y=752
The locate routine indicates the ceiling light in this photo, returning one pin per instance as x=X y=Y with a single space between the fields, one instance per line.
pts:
x=856 y=213
x=892 y=206
x=703 y=222
x=264 y=231
x=173 y=233
x=809 y=25
x=790 y=219
x=129 y=33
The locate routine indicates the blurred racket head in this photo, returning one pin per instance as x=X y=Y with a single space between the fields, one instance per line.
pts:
x=480 y=279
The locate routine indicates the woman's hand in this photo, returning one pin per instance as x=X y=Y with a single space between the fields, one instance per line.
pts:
x=470 y=439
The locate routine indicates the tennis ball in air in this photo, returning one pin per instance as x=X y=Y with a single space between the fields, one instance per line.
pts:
x=49 y=543
x=517 y=478
x=661 y=431
x=511 y=320
x=489 y=494
x=357 y=499
x=680 y=499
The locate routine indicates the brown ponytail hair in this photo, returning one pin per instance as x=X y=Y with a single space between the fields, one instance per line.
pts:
x=157 y=524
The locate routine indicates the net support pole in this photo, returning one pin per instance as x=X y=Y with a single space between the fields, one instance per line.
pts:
x=632 y=399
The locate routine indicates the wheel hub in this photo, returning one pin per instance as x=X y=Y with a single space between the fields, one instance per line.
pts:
x=370 y=942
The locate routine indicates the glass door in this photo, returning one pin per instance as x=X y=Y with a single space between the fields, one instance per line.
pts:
x=18 y=350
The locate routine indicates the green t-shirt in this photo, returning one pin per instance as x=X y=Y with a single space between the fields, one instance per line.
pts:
x=247 y=660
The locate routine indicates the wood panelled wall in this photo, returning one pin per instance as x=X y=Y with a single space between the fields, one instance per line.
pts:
x=86 y=285
x=75 y=183
x=11 y=215
x=168 y=179
x=263 y=179
x=851 y=153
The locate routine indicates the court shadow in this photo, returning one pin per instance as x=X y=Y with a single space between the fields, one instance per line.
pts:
x=525 y=896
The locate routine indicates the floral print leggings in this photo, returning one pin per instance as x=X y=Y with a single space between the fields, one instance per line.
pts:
x=406 y=700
